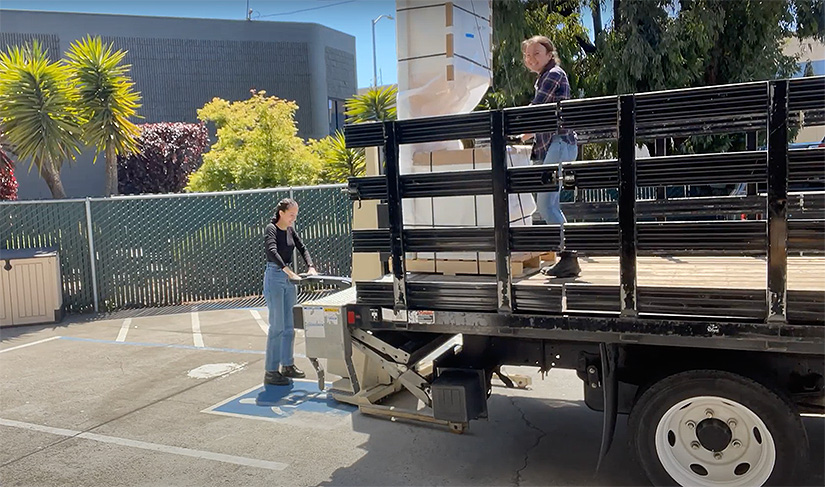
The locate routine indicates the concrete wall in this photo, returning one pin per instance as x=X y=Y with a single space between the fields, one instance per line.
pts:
x=180 y=64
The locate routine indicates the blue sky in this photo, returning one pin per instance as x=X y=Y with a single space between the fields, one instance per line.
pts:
x=351 y=16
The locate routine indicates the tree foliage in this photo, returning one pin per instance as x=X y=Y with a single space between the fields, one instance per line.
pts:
x=48 y=109
x=377 y=104
x=651 y=44
x=106 y=100
x=37 y=111
x=257 y=146
x=339 y=162
x=167 y=153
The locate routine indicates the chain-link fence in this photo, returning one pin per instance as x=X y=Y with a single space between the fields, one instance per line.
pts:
x=160 y=250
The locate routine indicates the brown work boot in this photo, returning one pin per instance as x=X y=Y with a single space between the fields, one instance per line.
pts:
x=292 y=371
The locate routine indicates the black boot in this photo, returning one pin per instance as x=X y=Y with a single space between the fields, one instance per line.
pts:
x=292 y=371
x=275 y=378
x=567 y=266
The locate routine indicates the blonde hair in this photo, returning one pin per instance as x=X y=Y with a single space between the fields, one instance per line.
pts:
x=544 y=41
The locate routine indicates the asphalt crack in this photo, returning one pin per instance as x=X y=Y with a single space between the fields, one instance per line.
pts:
x=517 y=481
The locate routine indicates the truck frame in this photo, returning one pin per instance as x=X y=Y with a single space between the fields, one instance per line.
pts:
x=714 y=375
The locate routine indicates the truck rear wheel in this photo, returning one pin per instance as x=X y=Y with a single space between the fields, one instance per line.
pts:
x=714 y=428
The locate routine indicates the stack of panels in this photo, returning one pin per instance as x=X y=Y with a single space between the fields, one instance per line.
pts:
x=806 y=94
x=593 y=119
x=806 y=165
x=370 y=134
x=696 y=111
x=729 y=237
x=531 y=119
x=803 y=306
x=447 y=183
x=449 y=127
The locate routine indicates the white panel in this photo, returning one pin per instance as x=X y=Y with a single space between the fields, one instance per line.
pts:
x=5 y=298
x=33 y=290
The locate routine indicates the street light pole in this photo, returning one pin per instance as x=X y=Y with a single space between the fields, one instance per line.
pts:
x=374 y=64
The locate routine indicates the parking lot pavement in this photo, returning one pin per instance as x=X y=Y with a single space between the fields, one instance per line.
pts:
x=177 y=399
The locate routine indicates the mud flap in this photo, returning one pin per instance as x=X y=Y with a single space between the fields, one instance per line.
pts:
x=609 y=354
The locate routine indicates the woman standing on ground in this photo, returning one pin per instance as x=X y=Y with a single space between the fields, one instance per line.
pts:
x=552 y=86
x=280 y=240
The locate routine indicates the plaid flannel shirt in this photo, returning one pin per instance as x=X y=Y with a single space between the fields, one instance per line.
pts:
x=551 y=86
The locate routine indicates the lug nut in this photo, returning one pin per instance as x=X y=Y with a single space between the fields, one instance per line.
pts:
x=709 y=413
x=695 y=445
x=736 y=443
x=732 y=423
x=690 y=424
x=717 y=456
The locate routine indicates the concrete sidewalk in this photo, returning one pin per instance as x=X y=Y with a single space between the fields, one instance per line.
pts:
x=176 y=399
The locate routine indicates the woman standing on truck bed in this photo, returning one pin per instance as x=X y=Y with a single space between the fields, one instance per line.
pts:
x=280 y=240
x=540 y=57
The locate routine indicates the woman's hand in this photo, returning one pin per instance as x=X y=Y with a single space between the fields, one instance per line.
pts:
x=526 y=137
x=312 y=271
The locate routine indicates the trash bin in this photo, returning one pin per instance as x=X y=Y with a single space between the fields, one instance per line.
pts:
x=30 y=287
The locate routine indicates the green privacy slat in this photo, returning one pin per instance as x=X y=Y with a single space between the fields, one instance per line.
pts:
x=176 y=250
x=60 y=225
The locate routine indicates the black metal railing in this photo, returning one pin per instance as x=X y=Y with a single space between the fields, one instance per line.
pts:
x=770 y=106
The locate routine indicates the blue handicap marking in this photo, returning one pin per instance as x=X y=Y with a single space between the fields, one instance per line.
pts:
x=301 y=397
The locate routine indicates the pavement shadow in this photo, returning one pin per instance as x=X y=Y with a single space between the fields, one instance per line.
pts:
x=526 y=441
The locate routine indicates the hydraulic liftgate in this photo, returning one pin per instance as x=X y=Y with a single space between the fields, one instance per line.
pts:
x=791 y=320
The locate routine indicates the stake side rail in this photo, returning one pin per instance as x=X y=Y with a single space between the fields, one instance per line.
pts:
x=641 y=228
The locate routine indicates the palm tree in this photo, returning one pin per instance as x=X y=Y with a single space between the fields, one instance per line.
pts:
x=376 y=104
x=106 y=101
x=36 y=111
x=340 y=162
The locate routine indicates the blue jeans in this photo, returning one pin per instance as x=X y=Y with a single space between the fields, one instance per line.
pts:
x=548 y=203
x=280 y=297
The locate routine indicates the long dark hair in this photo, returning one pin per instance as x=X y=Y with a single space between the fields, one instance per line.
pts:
x=283 y=205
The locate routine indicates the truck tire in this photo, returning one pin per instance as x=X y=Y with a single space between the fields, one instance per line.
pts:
x=714 y=428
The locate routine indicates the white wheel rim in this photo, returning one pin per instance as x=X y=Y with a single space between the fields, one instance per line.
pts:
x=748 y=459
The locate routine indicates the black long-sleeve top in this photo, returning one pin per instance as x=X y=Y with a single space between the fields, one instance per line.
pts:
x=279 y=245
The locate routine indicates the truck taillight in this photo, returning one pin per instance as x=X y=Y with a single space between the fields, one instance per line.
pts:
x=350 y=317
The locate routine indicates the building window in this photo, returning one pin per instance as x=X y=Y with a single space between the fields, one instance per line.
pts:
x=336 y=115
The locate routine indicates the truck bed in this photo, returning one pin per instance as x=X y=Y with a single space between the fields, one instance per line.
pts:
x=725 y=287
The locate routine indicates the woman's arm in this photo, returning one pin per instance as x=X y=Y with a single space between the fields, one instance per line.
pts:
x=299 y=244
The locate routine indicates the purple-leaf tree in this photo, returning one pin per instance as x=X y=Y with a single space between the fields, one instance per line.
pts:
x=167 y=154
x=8 y=183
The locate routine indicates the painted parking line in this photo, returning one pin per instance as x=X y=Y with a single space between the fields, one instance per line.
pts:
x=124 y=329
x=159 y=345
x=29 y=344
x=143 y=445
x=264 y=326
x=196 y=329
x=300 y=403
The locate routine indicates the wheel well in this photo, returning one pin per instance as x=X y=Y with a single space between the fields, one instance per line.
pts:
x=799 y=377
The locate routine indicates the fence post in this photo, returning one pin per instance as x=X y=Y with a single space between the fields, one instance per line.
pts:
x=91 y=250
